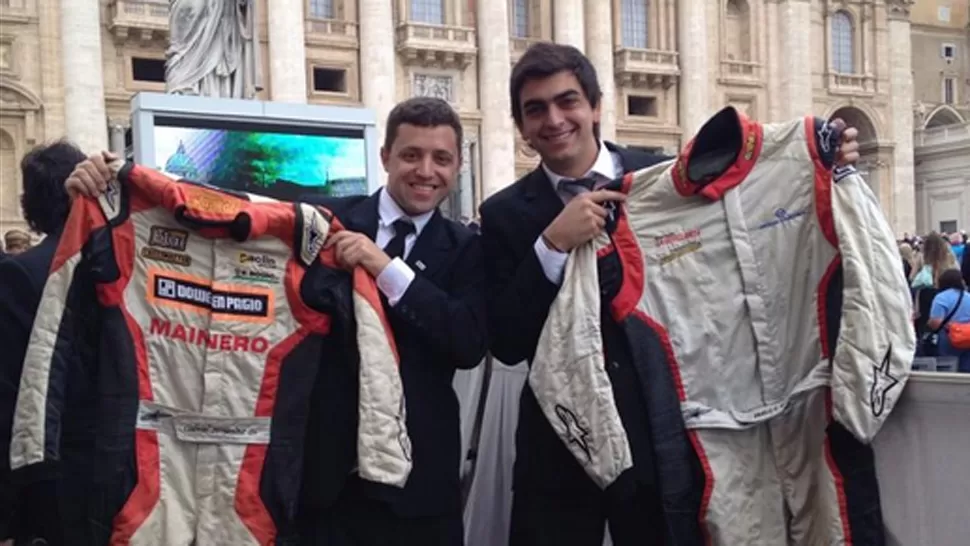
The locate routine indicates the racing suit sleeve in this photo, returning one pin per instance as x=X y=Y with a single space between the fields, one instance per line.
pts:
x=876 y=342
x=451 y=320
x=35 y=441
x=518 y=293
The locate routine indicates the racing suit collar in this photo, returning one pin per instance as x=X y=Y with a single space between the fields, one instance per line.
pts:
x=728 y=125
x=215 y=213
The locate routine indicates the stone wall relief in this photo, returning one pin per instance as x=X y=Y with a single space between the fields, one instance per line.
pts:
x=436 y=85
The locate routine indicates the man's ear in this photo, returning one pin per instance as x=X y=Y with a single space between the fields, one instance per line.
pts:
x=385 y=157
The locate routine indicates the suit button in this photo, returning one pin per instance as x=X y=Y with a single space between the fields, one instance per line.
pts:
x=615 y=365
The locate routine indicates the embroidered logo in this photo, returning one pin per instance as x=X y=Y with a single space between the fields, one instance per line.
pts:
x=882 y=382
x=749 y=146
x=163 y=237
x=677 y=245
x=576 y=433
x=825 y=138
x=782 y=216
x=842 y=171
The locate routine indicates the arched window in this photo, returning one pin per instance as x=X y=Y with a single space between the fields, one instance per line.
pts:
x=520 y=18
x=843 y=54
x=737 y=31
x=635 y=21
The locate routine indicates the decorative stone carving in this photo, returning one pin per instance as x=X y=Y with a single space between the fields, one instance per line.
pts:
x=6 y=56
x=433 y=85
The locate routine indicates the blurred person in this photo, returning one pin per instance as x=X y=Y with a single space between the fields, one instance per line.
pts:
x=909 y=260
x=937 y=258
x=957 y=245
x=16 y=241
x=950 y=306
x=45 y=205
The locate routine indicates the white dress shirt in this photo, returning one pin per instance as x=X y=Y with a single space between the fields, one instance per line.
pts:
x=606 y=167
x=395 y=279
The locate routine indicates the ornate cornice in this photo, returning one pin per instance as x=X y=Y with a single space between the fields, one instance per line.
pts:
x=899 y=9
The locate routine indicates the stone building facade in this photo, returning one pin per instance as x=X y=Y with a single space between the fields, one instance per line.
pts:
x=665 y=66
x=941 y=75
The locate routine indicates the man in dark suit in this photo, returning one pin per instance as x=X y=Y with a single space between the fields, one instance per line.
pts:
x=527 y=231
x=45 y=205
x=431 y=273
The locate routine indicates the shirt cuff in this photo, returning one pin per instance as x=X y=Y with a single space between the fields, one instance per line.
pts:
x=552 y=261
x=394 y=280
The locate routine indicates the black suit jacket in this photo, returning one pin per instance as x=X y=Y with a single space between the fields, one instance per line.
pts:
x=519 y=297
x=439 y=326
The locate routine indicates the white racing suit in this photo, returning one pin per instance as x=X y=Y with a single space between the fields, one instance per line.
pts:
x=774 y=295
x=215 y=313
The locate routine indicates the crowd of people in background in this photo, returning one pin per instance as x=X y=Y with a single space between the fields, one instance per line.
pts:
x=937 y=266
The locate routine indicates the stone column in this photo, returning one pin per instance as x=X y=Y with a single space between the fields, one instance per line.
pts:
x=795 y=64
x=377 y=62
x=466 y=179
x=497 y=142
x=568 y=26
x=902 y=216
x=695 y=67
x=285 y=24
x=599 y=49
x=85 y=121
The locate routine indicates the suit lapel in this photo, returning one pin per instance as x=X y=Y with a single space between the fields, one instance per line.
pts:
x=542 y=202
x=363 y=217
x=431 y=248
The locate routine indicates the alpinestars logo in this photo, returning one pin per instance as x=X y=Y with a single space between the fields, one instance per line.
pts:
x=882 y=382
x=576 y=433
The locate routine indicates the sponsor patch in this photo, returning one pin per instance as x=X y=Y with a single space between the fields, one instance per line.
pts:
x=238 y=303
x=164 y=237
x=782 y=216
x=260 y=260
x=213 y=203
x=215 y=341
x=159 y=255
x=674 y=246
x=253 y=275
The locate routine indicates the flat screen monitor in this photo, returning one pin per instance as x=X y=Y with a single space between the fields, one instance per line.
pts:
x=282 y=151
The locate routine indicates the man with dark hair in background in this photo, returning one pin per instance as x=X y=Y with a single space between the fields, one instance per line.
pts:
x=45 y=206
x=431 y=274
x=528 y=230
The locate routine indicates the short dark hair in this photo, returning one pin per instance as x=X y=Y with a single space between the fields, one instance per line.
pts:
x=45 y=202
x=951 y=278
x=545 y=59
x=422 y=112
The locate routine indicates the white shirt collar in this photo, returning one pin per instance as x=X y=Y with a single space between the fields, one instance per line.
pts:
x=604 y=166
x=389 y=212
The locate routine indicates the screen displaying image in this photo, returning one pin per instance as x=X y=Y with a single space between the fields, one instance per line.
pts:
x=274 y=164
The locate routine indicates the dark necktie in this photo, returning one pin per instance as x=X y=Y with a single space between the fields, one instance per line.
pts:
x=572 y=188
x=402 y=228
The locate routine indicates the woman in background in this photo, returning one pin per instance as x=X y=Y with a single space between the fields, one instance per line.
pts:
x=952 y=297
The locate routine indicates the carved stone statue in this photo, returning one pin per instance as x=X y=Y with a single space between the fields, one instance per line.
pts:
x=213 y=49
